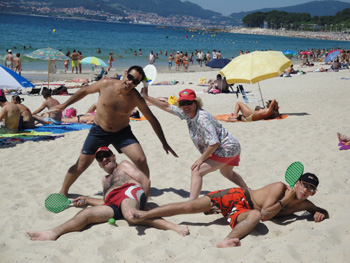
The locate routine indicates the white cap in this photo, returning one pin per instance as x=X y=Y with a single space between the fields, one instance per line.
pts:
x=9 y=50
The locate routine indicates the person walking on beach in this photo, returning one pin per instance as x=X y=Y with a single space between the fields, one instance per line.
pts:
x=110 y=60
x=244 y=208
x=200 y=57
x=177 y=61
x=124 y=187
x=80 y=58
x=219 y=149
x=170 y=61
x=9 y=59
x=117 y=100
x=151 y=57
x=74 y=58
x=17 y=63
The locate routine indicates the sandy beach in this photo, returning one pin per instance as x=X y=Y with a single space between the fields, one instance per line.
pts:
x=318 y=106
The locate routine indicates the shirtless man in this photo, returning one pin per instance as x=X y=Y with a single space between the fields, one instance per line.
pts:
x=10 y=115
x=244 y=208
x=27 y=117
x=74 y=58
x=17 y=63
x=52 y=117
x=9 y=59
x=124 y=187
x=249 y=114
x=111 y=123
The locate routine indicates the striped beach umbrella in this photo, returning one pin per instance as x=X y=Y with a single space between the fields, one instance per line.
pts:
x=47 y=54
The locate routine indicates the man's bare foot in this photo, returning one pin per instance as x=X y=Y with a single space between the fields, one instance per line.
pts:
x=233 y=242
x=343 y=138
x=42 y=235
x=182 y=230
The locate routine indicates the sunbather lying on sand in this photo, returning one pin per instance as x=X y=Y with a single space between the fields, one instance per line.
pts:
x=249 y=114
x=343 y=137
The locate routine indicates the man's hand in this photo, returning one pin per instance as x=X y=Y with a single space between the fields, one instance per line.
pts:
x=168 y=149
x=318 y=217
x=288 y=195
x=80 y=201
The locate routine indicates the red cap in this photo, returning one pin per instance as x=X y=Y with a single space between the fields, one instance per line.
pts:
x=187 y=94
x=103 y=149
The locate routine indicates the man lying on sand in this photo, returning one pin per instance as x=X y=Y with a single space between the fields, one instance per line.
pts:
x=244 y=208
x=117 y=100
x=124 y=188
x=249 y=114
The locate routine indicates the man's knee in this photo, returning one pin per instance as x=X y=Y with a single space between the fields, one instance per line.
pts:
x=255 y=215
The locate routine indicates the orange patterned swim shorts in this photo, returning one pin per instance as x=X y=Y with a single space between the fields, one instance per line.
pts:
x=230 y=203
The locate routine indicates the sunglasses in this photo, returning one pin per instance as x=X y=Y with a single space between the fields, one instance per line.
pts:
x=101 y=156
x=308 y=187
x=134 y=80
x=185 y=102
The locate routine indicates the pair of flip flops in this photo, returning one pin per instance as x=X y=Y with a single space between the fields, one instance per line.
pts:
x=344 y=145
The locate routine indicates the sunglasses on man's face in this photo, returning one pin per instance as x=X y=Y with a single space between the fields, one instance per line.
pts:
x=308 y=187
x=101 y=156
x=134 y=80
x=185 y=102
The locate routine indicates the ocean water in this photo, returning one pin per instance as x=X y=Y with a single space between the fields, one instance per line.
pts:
x=123 y=39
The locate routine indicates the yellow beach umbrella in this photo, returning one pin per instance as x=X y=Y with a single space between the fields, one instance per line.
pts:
x=256 y=66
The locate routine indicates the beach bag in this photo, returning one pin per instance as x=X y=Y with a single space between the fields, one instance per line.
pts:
x=69 y=113
x=214 y=91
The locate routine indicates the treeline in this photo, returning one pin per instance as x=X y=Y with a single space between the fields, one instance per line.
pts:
x=294 y=21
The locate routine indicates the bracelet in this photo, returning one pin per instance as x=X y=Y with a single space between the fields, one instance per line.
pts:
x=281 y=204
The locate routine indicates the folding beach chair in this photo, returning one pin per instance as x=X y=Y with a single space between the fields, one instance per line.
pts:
x=245 y=96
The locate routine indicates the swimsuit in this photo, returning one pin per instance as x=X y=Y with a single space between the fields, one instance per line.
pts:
x=9 y=64
x=50 y=121
x=231 y=161
x=249 y=118
x=230 y=203
x=74 y=63
x=6 y=130
x=97 y=138
x=128 y=190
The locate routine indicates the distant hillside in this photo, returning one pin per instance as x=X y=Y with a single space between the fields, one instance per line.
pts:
x=160 y=7
x=164 y=7
x=314 y=8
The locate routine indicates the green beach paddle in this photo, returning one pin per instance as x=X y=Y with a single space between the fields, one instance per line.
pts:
x=293 y=173
x=57 y=203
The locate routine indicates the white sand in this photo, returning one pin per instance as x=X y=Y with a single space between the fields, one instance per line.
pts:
x=318 y=106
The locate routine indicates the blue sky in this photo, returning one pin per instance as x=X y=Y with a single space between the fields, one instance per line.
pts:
x=227 y=7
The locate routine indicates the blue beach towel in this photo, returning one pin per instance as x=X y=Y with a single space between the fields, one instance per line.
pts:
x=58 y=129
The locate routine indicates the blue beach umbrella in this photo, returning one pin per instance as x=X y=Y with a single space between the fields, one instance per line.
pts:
x=218 y=63
x=290 y=53
x=11 y=80
x=332 y=55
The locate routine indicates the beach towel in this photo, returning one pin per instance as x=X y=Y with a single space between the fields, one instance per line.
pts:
x=8 y=139
x=142 y=118
x=58 y=129
x=344 y=145
x=225 y=117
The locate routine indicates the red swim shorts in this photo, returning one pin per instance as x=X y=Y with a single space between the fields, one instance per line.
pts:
x=128 y=190
x=231 y=161
x=230 y=203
